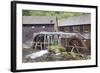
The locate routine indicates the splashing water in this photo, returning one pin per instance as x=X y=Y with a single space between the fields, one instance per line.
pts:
x=37 y=54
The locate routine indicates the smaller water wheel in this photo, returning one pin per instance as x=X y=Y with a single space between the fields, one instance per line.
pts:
x=76 y=45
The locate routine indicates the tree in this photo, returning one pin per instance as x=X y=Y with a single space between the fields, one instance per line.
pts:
x=58 y=14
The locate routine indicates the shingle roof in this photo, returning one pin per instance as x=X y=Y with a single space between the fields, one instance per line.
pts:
x=75 y=20
x=38 y=20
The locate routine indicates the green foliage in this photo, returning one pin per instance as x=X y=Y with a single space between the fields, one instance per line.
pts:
x=56 y=48
x=58 y=14
x=26 y=13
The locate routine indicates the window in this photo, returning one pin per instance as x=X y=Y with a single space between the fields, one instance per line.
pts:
x=43 y=26
x=86 y=28
x=66 y=29
x=71 y=28
x=33 y=27
x=76 y=28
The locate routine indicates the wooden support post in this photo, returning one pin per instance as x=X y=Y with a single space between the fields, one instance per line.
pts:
x=56 y=25
x=44 y=40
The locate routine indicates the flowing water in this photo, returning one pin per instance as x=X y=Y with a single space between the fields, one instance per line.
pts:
x=37 y=54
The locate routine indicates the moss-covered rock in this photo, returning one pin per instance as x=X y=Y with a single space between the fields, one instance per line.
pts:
x=56 y=48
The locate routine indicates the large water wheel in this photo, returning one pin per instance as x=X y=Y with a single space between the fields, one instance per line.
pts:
x=76 y=44
x=38 y=39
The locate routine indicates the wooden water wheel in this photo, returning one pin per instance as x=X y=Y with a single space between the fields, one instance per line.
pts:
x=38 y=42
x=76 y=45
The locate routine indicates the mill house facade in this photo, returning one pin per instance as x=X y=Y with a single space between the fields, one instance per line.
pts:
x=76 y=24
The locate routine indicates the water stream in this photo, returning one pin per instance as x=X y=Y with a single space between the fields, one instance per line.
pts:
x=37 y=54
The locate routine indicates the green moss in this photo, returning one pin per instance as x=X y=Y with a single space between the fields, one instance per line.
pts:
x=56 y=48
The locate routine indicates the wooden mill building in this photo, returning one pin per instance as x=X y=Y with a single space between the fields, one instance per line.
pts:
x=76 y=24
x=34 y=24
x=79 y=24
